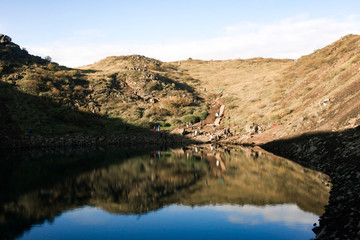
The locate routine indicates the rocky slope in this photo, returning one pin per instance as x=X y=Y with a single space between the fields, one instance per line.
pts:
x=113 y=96
x=144 y=90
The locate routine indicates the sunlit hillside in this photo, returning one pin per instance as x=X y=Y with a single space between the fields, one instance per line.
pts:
x=316 y=91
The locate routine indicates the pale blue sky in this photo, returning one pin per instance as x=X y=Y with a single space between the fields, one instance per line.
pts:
x=80 y=32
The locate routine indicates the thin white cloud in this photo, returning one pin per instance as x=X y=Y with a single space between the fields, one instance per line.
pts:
x=289 y=38
x=289 y=214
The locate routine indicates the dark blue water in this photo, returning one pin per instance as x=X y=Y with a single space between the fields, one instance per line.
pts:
x=193 y=193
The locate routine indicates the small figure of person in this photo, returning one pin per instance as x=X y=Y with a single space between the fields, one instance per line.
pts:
x=30 y=129
x=216 y=115
x=158 y=128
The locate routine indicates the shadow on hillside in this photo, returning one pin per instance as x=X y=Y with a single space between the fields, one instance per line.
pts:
x=51 y=118
x=181 y=86
x=327 y=146
x=85 y=70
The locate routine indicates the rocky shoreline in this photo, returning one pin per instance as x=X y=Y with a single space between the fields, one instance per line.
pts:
x=30 y=141
x=336 y=154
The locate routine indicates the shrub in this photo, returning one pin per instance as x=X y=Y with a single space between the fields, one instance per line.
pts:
x=30 y=86
x=175 y=121
x=203 y=115
x=190 y=118
x=73 y=117
x=155 y=110
x=151 y=86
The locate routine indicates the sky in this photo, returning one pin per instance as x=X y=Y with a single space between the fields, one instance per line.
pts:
x=80 y=32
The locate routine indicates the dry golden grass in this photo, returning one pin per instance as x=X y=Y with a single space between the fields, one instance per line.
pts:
x=248 y=85
x=280 y=90
x=317 y=91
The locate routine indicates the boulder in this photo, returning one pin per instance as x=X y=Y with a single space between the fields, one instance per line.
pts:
x=251 y=128
x=180 y=131
x=4 y=39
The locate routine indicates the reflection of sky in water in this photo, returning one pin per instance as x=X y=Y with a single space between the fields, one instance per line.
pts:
x=181 y=222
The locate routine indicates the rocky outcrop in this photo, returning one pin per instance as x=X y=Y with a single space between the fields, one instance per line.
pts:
x=4 y=39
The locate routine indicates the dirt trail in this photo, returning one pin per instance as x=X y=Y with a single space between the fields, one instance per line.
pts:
x=217 y=106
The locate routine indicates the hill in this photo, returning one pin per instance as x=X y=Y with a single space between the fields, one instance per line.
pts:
x=110 y=97
x=274 y=97
x=318 y=91
x=144 y=91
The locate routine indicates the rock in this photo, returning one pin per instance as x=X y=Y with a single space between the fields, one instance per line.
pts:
x=322 y=233
x=312 y=148
x=180 y=131
x=4 y=39
x=251 y=128
x=316 y=230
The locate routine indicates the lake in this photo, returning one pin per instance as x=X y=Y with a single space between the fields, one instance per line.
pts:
x=197 y=192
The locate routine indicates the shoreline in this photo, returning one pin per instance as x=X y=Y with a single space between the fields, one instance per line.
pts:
x=87 y=140
x=336 y=154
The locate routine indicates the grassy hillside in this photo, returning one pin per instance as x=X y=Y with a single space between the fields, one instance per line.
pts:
x=144 y=91
x=106 y=97
x=317 y=91
x=250 y=87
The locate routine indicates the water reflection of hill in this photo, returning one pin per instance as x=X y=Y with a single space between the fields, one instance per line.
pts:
x=35 y=190
x=258 y=178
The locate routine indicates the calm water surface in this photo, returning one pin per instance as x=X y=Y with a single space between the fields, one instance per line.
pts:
x=192 y=193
